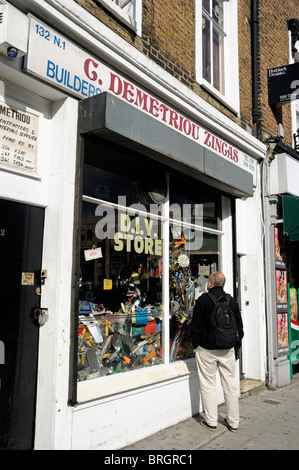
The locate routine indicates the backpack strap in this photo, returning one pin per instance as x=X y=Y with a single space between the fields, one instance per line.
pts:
x=212 y=297
x=215 y=300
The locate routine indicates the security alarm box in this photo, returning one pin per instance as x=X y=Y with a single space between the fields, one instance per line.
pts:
x=13 y=31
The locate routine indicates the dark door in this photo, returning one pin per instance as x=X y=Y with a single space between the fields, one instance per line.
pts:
x=21 y=237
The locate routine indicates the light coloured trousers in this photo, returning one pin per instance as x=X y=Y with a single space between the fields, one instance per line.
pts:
x=208 y=361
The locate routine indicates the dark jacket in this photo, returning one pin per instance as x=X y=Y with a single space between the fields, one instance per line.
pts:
x=200 y=319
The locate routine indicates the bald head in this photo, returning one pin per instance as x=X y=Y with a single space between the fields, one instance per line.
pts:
x=216 y=279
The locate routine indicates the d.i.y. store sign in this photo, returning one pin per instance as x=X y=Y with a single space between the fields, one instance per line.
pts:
x=67 y=66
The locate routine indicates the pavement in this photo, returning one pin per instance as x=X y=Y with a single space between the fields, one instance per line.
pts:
x=269 y=420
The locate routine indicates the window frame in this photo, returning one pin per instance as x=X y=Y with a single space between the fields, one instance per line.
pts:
x=214 y=29
x=130 y=14
x=230 y=97
x=100 y=387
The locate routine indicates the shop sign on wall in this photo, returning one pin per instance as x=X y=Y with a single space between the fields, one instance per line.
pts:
x=18 y=138
x=65 y=65
x=283 y=84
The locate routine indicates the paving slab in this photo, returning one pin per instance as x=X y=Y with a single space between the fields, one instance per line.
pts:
x=269 y=420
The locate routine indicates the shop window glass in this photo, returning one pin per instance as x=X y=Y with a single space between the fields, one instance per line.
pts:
x=104 y=185
x=191 y=204
x=193 y=255
x=122 y=312
x=121 y=306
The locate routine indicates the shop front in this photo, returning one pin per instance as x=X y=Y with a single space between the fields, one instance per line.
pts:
x=284 y=174
x=153 y=221
x=142 y=190
x=31 y=181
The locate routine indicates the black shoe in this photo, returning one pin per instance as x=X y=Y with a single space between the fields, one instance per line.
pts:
x=208 y=426
x=230 y=427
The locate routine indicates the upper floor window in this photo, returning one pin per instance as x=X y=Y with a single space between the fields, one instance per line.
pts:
x=212 y=43
x=127 y=11
x=217 y=49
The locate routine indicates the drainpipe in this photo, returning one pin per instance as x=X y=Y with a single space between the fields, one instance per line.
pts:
x=254 y=51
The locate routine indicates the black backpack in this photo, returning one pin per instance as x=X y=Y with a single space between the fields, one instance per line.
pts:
x=222 y=331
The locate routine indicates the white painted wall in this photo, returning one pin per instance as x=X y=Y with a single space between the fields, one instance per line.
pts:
x=53 y=414
x=53 y=189
x=250 y=233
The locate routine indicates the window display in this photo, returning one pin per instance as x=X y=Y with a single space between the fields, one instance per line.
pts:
x=141 y=265
x=193 y=255
x=120 y=311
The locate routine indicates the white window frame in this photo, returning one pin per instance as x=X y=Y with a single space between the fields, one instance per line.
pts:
x=103 y=387
x=128 y=12
x=231 y=96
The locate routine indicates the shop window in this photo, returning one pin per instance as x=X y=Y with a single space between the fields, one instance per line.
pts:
x=127 y=11
x=217 y=48
x=120 y=310
x=193 y=255
x=142 y=267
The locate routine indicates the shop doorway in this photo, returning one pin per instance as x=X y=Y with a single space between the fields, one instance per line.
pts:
x=21 y=237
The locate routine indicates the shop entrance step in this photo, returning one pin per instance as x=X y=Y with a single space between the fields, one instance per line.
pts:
x=250 y=386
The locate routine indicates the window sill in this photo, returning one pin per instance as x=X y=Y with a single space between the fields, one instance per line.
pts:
x=120 y=14
x=234 y=107
x=125 y=382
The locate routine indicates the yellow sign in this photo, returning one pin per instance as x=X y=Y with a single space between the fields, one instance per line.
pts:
x=139 y=239
x=27 y=279
x=107 y=284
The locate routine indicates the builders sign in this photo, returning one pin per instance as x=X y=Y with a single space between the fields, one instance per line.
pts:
x=283 y=84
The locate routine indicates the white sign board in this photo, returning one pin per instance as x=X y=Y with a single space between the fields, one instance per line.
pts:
x=18 y=139
x=68 y=67
x=94 y=253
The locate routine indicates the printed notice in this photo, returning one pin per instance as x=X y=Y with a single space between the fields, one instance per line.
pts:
x=18 y=138
x=94 y=253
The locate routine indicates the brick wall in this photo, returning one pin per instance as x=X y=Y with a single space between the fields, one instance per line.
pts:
x=168 y=38
x=274 y=52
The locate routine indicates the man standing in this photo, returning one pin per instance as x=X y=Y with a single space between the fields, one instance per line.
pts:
x=209 y=359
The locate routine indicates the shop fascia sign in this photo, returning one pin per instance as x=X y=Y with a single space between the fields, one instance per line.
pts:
x=283 y=84
x=65 y=65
